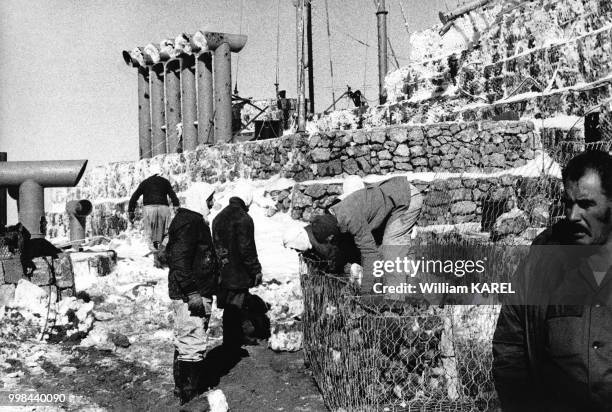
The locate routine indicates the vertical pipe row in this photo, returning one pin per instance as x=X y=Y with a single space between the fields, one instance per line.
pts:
x=158 y=133
x=188 y=103
x=173 y=105
x=205 y=98
x=144 y=113
x=223 y=94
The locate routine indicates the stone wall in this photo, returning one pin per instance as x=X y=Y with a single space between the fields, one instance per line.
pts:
x=451 y=201
x=450 y=147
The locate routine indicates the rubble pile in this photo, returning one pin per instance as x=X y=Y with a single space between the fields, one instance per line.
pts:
x=285 y=314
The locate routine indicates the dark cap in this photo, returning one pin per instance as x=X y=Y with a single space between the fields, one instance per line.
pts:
x=323 y=226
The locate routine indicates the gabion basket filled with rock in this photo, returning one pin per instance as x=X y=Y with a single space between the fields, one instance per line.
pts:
x=369 y=354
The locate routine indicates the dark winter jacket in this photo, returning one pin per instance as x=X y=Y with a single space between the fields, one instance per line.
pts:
x=234 y=239
x=154 y=191
x=555 y=357
x=191 y=258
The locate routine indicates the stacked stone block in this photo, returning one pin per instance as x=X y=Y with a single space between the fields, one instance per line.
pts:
x=55 y=276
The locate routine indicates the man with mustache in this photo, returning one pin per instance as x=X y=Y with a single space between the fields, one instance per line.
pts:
x=553 y=349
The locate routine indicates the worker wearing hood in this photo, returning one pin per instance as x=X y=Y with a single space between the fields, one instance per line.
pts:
x=192 y=281
x=234 y=239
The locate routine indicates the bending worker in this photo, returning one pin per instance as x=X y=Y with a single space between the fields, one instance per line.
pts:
x=380 y=219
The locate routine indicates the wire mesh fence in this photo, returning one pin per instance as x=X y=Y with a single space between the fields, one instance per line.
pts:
x=370 y=354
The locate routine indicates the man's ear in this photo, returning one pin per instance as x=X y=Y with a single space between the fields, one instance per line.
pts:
x=330 y=238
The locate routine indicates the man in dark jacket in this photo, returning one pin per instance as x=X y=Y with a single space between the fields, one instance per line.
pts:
x=192 y=281
x=234 y=239
x=155 y=191
x=552 y=347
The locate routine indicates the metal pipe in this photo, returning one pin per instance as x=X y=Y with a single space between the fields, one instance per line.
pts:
x=223 y=94
x=3 y=209
x=235 y=42
x=205 y=98
x=78 y=210
x=188 y=103
x=310 y=65
x=173 y=104
x=32 y=208
x=158 y=134
x=50 y=173
x=458 y=12
x=381 y=17
x=301 y=92
x=144 y=113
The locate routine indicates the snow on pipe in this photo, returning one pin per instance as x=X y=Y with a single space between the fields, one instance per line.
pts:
x=466 y=8
x=31 y=178
x=78 y=210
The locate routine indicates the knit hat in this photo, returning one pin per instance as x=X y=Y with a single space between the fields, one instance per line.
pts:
x=324 y=226
x=196 y=196
x=350 y=185
x=244 y=191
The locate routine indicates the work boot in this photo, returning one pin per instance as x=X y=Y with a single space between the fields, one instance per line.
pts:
x=179 y=376
x=192 y=372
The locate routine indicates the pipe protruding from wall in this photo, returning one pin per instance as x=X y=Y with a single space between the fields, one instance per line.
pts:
x=78 y=210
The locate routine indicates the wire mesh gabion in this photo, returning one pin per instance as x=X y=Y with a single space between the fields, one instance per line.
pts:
x=366 y=354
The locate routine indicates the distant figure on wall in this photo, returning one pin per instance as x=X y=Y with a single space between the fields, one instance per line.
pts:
x=155 y=191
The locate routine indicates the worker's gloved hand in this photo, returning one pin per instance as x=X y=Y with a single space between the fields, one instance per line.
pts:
x=197 y=305
x=207 y=305
x=258 y=279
